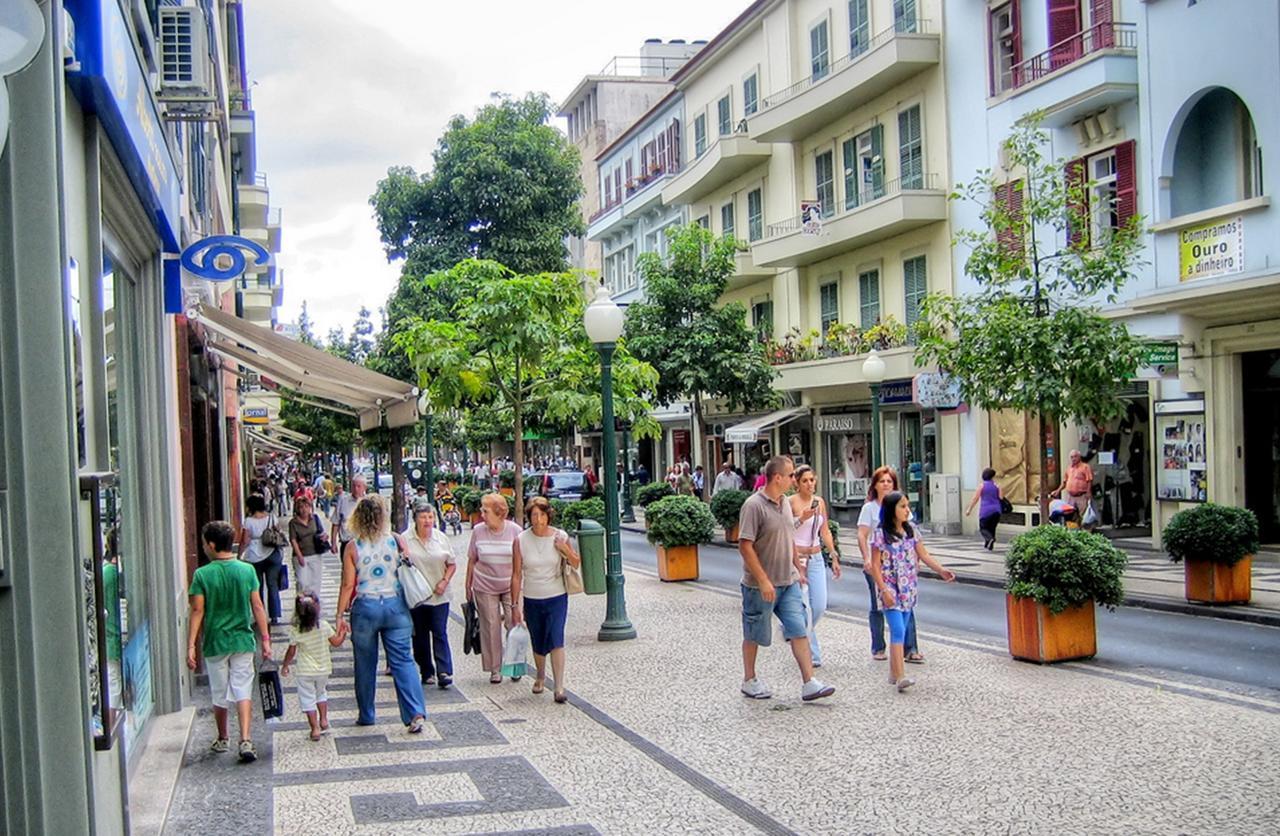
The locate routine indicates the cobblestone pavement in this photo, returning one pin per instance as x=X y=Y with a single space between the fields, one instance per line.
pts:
x=657 y=738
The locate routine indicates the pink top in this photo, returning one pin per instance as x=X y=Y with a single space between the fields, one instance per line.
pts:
x=761 y=481
x=492 y=553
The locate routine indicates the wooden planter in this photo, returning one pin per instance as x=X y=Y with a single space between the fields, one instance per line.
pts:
x=1217 y=583
x=475 y=519
x=1037 y=635
x=507 y=491
x=678 y=563
x=731 y=534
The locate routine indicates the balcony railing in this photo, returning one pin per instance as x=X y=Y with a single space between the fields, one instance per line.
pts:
x=1122 y=36
x=841 y=340
x=643 y=181
x=643 y=65
x=906 y=26
x=918 y=182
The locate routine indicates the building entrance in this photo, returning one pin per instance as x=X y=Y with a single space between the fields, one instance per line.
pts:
x=1261 y=374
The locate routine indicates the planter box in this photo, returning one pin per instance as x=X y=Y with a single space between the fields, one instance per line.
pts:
x=507 y=491
x=1217 y=583
x=1037 y=635
x=731 y=535
x=679 y=563
x=475 y=519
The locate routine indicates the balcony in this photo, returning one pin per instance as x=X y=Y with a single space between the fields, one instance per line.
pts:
x=746 y=271
x=729 y=158
x=843 y=370
x=894 y=212
x=1091 y=70
x=273 y=230
x=254 y=199
x=889 y=59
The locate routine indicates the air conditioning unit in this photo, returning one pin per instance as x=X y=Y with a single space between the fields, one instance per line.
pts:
x=184 y=53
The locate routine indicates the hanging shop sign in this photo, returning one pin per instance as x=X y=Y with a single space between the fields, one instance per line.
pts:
x=1158 y=360
x=221 y=258
x=844 y=423
x=1212 y=249
x=1182 y=473
x=935 y=390
x=811 y=217
x=896 y=391
x=255 y=415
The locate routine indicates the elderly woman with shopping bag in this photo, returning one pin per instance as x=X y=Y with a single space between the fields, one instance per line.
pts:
x=543 y=557
x=489 y=559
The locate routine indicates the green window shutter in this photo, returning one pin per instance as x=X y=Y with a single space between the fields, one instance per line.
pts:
x=725 y=117
x=726 y=220
x=849 y=157
x=829 y=305
x=825 y=177
x=915 y=284
x=755 y=215
x=869 y=299
x=877 y=152
x=910 y=149
x=750 y=96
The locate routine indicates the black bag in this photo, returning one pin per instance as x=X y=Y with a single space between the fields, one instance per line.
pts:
x=323 y=546
x=1006 y=507
x=270 y=692
x=470 y=628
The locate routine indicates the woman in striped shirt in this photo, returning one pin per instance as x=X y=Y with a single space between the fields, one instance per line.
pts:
x=489 y=578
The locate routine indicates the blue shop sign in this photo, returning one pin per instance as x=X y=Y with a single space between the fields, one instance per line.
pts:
x=895 y=391
x=111 y=83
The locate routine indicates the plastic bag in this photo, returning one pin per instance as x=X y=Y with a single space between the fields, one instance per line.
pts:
x=515 y=652
x=1091 y=517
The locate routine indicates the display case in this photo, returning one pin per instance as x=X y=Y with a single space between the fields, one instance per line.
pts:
x=1182 y=451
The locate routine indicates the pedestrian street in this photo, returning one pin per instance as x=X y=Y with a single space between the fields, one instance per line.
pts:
x=657 y=738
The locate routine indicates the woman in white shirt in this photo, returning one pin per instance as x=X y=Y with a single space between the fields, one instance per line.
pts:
x=537 y=573
x=428 y=549
x=267 y=561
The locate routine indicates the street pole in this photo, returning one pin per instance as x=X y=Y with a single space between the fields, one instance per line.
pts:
x=876 y=458
x=616 y=627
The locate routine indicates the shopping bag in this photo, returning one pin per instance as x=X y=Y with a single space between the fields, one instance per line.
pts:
x=416 y=589
x=1091 y=517
x=470 y=629
x=515 y=652
x=270 y=692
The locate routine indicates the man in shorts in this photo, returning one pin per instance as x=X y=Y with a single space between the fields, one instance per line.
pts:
x=771 y=581
x=225 y=602
x=343 y=509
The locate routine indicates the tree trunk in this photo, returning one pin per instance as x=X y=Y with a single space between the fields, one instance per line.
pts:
x=349 y=461
x=519 y=460
x=397 y=482
x=1048 y=480
x=695 y=443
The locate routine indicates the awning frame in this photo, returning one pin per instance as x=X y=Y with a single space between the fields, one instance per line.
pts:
x=748 y=432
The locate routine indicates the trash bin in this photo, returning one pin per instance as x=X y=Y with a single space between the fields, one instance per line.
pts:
x=591 y=547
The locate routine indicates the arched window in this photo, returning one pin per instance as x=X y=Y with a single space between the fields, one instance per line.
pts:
x=1217 y=160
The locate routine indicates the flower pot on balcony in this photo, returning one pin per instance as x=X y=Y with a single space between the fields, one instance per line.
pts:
x=678 y=563
x=1038 y=635
x=1209 y=582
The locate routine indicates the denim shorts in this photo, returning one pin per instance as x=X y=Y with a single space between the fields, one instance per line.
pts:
x=788 y=605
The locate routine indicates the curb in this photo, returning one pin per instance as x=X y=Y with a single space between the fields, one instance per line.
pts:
x=1170 y=605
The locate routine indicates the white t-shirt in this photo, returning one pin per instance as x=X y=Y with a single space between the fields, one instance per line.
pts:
x=346 y=507
x=869 y=517
x=541 y=575
x=255 y=552
x=431 y=558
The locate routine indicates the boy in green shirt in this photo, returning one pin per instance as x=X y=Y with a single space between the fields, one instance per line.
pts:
x=225 y=601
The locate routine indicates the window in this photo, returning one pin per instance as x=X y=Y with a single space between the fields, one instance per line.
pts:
x=1217 y=159
x=905 y=16
x=726 y=220
x=755 y=215
x=724 y=117
x=828 y=306
x=762 y=318
x=1104 y=214
x=699 y=134
x=911 y=148
x=1006 y=48
x=662 y=151
x=750 y=95
x=868 y=299
x=1108 y=183
x=705 y=222
x=915 y=285
x=824 y=172
x=864 y=167
x=819 y=51
x=859 y=27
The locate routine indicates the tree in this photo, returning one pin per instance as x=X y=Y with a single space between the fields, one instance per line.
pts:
x=1031 y=338
x=331 y=432
x=516 y=344
x=503 y=185
x=306 y=328
x=700 y=348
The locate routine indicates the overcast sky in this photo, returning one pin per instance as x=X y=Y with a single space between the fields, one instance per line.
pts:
x=344 y=89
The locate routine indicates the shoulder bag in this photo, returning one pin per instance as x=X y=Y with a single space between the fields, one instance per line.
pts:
x=413 y=584
x=572 y=574
x=272 y=537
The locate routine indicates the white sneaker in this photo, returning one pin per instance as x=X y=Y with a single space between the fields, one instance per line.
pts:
x=816 y=689
x=905 y=683
x=756 y=689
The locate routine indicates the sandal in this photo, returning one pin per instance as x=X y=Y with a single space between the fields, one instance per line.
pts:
x=879 y=657
x=915 y=659
x=315 y=735
x=495 y=678
x=561 y=696
x=538 y=686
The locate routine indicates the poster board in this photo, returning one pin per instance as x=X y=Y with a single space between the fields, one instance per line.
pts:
x=1182 y=473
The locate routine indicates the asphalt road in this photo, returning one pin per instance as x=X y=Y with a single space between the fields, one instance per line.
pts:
x=1129 y=639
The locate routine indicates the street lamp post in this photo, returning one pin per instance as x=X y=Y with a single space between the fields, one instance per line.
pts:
x=873 y=371
x=603 y=320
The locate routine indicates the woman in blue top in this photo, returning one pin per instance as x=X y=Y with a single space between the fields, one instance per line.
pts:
x=988 y=498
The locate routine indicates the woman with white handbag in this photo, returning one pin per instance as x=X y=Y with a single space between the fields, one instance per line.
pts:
x=544 y=569
x=427 y=549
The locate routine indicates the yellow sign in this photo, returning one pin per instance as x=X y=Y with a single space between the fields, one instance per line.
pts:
x=1212 y=249
x=255 y=415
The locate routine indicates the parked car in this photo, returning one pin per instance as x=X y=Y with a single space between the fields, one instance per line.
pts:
x=569 y=485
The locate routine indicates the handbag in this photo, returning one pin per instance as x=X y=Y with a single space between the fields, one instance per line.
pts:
x=323 y=546
x=572 y=578
x=270 y=691
x=272 y=537
x=470 y=629
x=1006 y=507
x=413 y=585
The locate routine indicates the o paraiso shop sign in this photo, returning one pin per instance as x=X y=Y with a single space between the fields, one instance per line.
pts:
x=1212 y=249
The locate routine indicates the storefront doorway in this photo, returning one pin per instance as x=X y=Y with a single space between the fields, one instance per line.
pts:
x=1261 y=375
x=911 y=448
x=1121 y=465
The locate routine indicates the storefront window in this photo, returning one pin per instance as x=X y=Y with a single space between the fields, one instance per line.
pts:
x=847 y=463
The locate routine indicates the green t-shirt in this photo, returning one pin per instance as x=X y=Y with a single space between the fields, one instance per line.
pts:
x=228 y=612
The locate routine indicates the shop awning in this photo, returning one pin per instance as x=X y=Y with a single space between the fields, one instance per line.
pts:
x=262 y=440
x=748 y=431
x=310 y=371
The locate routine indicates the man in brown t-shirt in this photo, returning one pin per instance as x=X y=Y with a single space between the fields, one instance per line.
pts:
x=771 y=581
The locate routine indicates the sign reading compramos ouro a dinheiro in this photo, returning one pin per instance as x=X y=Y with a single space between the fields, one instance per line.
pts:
x=1212 y=249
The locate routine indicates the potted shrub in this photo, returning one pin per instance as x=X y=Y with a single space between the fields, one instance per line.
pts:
x=560 y=508
x=507 y=483
x=1053 y=578
x=470 y=504
x=1216 y=544
x=648 y=494
x=583 y=509
x=725 y=507
x=677 y=526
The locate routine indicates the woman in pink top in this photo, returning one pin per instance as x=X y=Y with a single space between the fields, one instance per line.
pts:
x=489 y=578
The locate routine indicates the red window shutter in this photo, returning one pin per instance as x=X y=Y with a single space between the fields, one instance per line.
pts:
x=1077 y=207
x=1009 y=198
x=1126 y=181
x=1016 y=8
x=1064 y=24
x=1102 y=16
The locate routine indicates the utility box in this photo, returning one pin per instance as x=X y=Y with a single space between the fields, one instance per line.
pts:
x=944 y=503
x=592 y=550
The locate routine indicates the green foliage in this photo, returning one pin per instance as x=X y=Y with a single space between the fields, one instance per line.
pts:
x=1063 y=568
x=834 y=527
x=1031 y=338
x=583 y=509
x=1217 y=533
x=470 y=502
x=842 y=340
x=699 y=348
x=558 y=510
x=648 y=494
x=506 y=478
x=532 y=484
x=460 y=496
x=679 y=521
x=726 y=505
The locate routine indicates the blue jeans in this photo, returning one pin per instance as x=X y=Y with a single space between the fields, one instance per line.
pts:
x=387 y=617
x=431 y=639
x=817 y=571
x=269 y=571
x=788 y=605
x=875 y=618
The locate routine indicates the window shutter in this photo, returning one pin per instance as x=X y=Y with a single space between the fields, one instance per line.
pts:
x=617 y=184
x=1077 y=209
x=1016 y=8
x=1126 y=181
x=1102 y=15
x=631 y=181
x=877 y=166
x=1009 y=198
x=1064 y=23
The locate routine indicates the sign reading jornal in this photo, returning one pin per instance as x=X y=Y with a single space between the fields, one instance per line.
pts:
x=1212 y=249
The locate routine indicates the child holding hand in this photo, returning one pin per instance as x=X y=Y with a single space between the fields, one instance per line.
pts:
x=307 y=644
